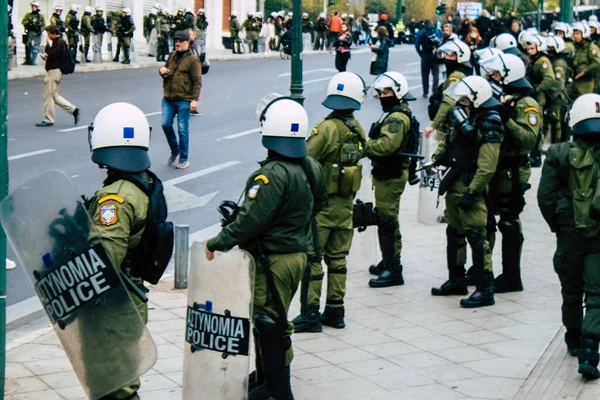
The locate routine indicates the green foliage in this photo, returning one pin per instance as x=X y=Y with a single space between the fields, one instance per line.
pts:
x=504 y=6
x=527 y=6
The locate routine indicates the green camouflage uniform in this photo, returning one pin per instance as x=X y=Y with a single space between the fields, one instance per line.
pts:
x=72 y=32
x=587 y=60
x=234 y=30
x=34 y=24
x=86 y=31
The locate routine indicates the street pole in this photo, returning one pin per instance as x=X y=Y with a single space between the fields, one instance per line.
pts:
x=483 y=4
x=399 y=12
x=325 y=8
x=296 y=88
x=3 y=182
x=566 y=11
x=540 y=12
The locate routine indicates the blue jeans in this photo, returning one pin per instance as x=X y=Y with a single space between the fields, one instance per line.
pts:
x=169 y=109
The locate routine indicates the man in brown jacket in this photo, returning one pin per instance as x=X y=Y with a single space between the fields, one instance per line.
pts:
x=182 y=80
x=53 y=56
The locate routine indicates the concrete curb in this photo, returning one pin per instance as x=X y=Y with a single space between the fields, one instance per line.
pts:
x=25 y=72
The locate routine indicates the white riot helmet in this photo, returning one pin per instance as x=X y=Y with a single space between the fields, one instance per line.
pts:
x=350 y=15
x=462 y=50
x=153 y=11
x=344 y=15
x=126 y=10
x=284 y=125
x=594 y=24
x=557 y=43
x=505 y=42
x=524 y=38
x=538 y=40
x=258 y=14
x=592 y=18
x=565 y=28
x=166 y=11
x=200 y=10
x=485 y=53
x=88 y=9
x=57 y=8
x=234 y=13
x=395 y=81
x=74 y=7
x=304 y=15
x=36 y=4
x=583 y=28
x=322 y=15
x=476 y=89
x=290 y=14
x=346 y=91
x=119 y=138
x=99 y=8
x=584 y=116
x=180 y=9
x=510 y=67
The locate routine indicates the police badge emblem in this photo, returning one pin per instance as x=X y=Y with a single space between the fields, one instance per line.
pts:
x=532 y=118
x=108 y=215
x=253 y=192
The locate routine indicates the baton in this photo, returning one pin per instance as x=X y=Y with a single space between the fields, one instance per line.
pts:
x=135 y=288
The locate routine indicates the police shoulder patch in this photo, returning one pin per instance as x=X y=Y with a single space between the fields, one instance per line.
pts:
x=532 y=118
x=108 y=215
x=393 y=126
x=558 y=75
x=253 y=192
x=544 y=65
x=111 y=197
x=595 y=51
x=262 y=178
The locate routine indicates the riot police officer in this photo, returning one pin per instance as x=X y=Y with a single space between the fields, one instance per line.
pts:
x=563 y=74
x=149 y=24
x=55 y=19
x=569 y=200
x=235 y=29
x=201 y=26
x=471 y=149
x=541 y=76
x=337 y=143
x=99 y=25
x=72 y=22
x=162 y=33
x=86 y=30
x=34 y=23
x=119 y=210
x=388 y=137
x=522 y=119
x=125 y=31
x=273 y=224
x=252 y=27
x=565 y=32
x=506 y=43
x=586 y=61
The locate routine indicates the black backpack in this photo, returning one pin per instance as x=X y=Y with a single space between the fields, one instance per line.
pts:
x=414 y=134
x=150 y=258
x=67 y=65
x=430 y=43
x=435 y=101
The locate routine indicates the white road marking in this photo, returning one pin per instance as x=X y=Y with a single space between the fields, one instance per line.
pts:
x=74 y=176
x=200 y=173
x=310 y=71
x=179 y=199
x=33 y=153
x=80 y=128
x=413 y=63
x=317 y=80
x=240 y=134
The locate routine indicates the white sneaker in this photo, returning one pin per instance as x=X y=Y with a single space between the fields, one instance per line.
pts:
x=10 y=264
x=181 y=165
x=173 y=159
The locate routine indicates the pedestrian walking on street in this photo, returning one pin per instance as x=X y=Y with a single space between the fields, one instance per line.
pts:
x=342 y=48
x=54 y=56
x=426 y=42
x=335 y=26
x=182 y=80
x=381 y=52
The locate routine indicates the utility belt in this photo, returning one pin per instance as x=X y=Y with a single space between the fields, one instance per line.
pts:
x=511 y=162
x=386 y=168
x=343 y=180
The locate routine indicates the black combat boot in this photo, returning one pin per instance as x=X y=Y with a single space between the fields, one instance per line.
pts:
x=535 y=159
x=389 y=276
x=333 y=317
x=469 y=279
x=86 y=50
x=310 y=322
x=512 y=243
x=484 y=293
x=573 y=341
x=376 y=269
x=455 y=285
x=588 y=359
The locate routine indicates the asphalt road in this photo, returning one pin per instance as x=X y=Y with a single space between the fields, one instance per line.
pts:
x=222 y=151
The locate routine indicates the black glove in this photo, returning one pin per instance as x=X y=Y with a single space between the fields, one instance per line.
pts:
x=507 y=112
x=467 y=201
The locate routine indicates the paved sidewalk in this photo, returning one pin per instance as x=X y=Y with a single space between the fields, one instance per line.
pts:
x=399 y=343
x=143 y=61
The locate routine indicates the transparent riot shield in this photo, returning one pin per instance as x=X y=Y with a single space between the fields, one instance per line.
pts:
x=132 y=51
x=81 y=49
x=429 y=210
x=97 y=47
x=152 y=43
x=218 y=334
x=81 y=291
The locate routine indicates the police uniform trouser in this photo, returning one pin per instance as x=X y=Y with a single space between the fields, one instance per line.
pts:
x=33 y=47
x=287 y=272
x=73 y=41
x=579 y=274
x=470 y=224
x=580 y=87
x=130 y=356
x=86 y=44
x=387 y=202
x=335 y=239
x=126 y=44
x=162 y=48
x=319 y=40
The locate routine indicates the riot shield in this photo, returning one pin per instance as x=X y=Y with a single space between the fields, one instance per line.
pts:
x=12 y=53
x=81 y=50
x=216 y=358
x=132 y=51
x=152 y=42
x=97 y=47
x=90 y=309
x=429 y=212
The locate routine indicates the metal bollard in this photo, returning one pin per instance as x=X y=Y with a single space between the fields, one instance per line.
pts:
x=182 y=238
